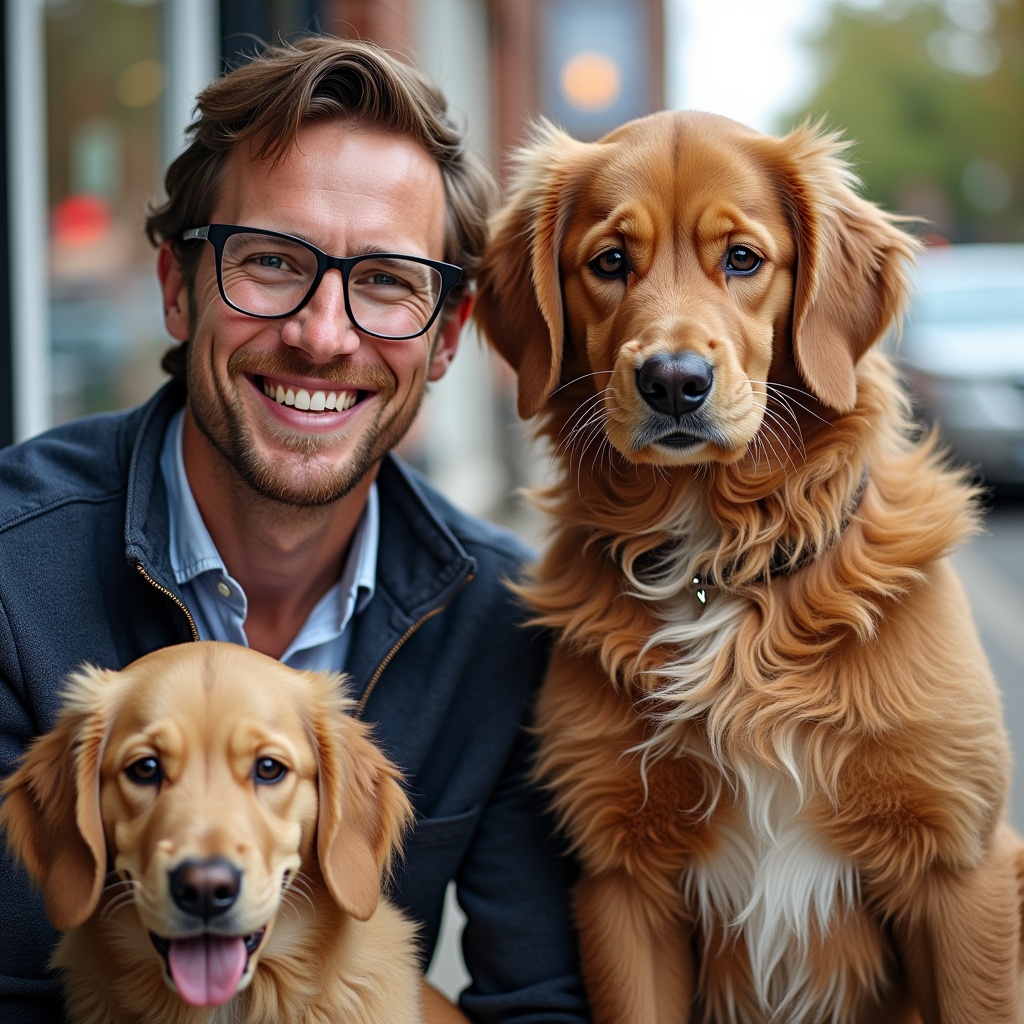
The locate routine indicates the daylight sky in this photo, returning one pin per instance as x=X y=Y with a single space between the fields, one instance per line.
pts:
x=740 y=58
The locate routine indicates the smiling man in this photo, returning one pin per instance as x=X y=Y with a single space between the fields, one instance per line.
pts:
x=315 y=250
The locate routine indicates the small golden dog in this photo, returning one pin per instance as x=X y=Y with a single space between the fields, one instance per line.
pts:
x=210 y=830
x=769 y=726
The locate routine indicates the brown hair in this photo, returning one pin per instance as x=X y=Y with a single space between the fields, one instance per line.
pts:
x=265 y=102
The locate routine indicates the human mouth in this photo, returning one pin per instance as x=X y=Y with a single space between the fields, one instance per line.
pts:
x=335 y=400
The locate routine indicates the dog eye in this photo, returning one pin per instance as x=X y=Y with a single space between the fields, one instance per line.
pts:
x=145 y=772
x=742 y=260
x=268 y=769
x=611 y=263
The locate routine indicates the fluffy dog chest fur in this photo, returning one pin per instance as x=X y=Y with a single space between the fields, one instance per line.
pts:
x=772 y=887
x=769 y=891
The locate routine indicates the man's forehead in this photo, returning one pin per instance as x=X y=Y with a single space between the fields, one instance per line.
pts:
x=332 y=171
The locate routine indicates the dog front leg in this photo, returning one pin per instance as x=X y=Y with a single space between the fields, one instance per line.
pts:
x=638 y=961
x=960 y=941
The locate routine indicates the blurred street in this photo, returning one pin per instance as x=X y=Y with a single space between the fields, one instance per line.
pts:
x=992 y=570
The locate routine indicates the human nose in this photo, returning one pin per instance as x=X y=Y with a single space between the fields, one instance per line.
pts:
x=322 y=328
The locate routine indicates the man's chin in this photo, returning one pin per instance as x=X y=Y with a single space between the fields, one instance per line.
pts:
x=305 y=483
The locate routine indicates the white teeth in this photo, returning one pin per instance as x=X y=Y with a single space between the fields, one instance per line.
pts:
x=318 y=401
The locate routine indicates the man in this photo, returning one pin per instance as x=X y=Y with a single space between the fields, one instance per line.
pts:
x=254 y=499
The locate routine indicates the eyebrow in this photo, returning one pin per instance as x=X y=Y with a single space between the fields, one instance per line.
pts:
x=361 y=250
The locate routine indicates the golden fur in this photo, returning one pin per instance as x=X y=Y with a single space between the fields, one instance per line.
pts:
x=311 y=847
x=788 y=800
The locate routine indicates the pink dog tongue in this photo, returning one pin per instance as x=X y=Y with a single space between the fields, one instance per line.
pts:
x=207 y=969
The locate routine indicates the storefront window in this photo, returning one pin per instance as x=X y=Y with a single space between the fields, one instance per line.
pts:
x=105 y=80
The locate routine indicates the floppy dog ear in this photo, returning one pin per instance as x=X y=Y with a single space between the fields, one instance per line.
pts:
x=363 y=814
x=853 y=263
x=519 y=297
x=51 y=808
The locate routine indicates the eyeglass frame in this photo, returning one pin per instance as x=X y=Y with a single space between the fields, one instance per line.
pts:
x=218 y=234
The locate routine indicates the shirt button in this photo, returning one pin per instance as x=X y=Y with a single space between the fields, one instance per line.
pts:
x=223 y=589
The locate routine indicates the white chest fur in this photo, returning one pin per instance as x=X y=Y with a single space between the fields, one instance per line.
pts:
x=773 y=880
x=770 y=879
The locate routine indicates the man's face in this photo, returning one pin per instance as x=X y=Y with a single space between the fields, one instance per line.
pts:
x=348 y=192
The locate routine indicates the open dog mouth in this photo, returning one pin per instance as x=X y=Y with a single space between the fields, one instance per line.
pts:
x=206 y=969
x=315 y=400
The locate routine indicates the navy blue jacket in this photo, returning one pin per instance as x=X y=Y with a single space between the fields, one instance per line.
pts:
x=450 y=672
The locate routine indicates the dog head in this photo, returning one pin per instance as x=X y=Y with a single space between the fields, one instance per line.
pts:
x=679 y=269
x=209 y=779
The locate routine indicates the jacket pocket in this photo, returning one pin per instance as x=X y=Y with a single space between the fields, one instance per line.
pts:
x=451 y=830
x=434 y=851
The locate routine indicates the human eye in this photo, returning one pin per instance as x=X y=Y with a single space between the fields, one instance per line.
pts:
x=271 y=261
x=384 y=277
x=266 y=257
x=394 y=280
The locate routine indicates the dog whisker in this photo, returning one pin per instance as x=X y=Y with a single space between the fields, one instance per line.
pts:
x=585 y=427
x=784 y=431
x=584 y=438
x=576 y=380
x=120 y=899
x=764 y=439
x=585 y=431
x=581 y=417
x=598 y=435
x=775 y=389
x=781 y=407
x=299 y=888
x=771 y=428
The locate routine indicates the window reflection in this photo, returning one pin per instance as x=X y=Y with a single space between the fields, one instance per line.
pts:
x=104 y=82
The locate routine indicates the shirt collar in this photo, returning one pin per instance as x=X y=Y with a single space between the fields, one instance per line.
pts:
x=191 y=547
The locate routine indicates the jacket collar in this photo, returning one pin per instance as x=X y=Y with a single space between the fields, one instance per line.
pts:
x=420 y=567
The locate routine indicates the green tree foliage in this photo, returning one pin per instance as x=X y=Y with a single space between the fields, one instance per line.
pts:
x=931 y=92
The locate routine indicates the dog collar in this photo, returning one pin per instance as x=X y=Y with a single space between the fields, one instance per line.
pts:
x=782 y=561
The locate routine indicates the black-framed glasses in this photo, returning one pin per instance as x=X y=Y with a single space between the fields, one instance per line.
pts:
x=272 y=275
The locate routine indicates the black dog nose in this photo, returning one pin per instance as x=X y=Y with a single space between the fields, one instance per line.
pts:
x=205 y=888
x=675 y=383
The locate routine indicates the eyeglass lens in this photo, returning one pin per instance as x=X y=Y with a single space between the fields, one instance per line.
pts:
x=270 y=276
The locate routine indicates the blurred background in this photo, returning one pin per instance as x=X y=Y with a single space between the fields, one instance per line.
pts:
x=96 y=95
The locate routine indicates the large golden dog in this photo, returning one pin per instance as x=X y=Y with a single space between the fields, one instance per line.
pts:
x=246 y=822
x=769 y=727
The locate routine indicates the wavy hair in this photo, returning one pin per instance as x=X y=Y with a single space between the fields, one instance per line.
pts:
x=264 y=104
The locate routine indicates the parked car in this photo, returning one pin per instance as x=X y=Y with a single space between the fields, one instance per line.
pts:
x=963 y=349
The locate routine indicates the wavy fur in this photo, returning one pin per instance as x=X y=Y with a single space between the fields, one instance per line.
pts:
x=789 y=802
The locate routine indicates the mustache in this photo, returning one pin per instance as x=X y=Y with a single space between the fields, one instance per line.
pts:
x=340 y=373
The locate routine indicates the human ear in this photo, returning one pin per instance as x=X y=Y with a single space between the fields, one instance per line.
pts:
x=447 y=340
x=174 y=291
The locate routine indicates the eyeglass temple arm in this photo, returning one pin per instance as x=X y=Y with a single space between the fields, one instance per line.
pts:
x=193 y=233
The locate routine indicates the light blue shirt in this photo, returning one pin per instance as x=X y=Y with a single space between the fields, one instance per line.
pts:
x=218 y=603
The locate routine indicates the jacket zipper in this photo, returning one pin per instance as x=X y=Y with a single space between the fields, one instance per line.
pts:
x=361 y=706
x=380 y=668
x=174 y=597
